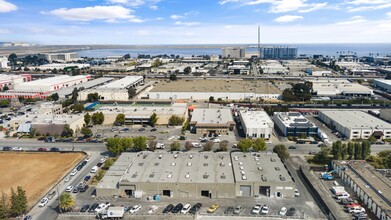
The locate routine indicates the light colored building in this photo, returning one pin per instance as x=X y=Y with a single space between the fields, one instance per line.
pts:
x=66 y=92
x=3 y=62
x=383 y=84
x=114 y=91
x=11 y=80
x=61 y=56
x=334 y=87
x=369 y=185
x=212 y=121
x=238 y=70
x=197 y=175
x=51 y=84
x=294 y=124
x=279 y=53
x=385 y=114
x=60 y=66
x=273 y=67
x=256 y=124
x=356 y=124
x=234 y=52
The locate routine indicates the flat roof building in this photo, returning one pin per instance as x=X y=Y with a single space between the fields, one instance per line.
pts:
x=11 y=80
x=356 y=124
x=196 y=175
x=234 y=52
x=370 y=186
x=51 y=84
x=294 y=124
x=334 y=87
x=215 y=121
x=124 y=83
x=256 y=124
x=383 y=84
x=279 y=52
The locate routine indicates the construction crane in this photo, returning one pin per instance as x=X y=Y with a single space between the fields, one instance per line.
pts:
x=329 y=175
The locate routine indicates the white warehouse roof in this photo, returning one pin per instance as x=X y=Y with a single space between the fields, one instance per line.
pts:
x=356 y=119
x=256 y=119
x=38 y=85
x=123 y=83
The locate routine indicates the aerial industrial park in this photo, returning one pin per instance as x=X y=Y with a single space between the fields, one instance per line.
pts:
x=92 y=128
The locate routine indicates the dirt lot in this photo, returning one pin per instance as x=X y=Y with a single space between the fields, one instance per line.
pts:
x=35 y=172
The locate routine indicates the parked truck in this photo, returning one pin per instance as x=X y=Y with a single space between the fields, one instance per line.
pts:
x=114 y=212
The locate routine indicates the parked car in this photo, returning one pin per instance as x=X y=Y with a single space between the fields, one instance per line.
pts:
x=292 y=147
x=256 y=209
x=7 y=148
x=195 y=208
x=43 y=202
x=103 y=159
x=177 y=208
x=17 y=149
x=54 y=149
x=213 y=208
x=94 y=169
x=93 y=207
x=152 y=209
x=27 y=217
x=229 y=210
x=283 y=211
x=297 y=194
x=83 y=188
x=141 y=129
x=84 y=208
x=186 y=209
x=356 y=210
x=238 y=209
x=102 y=206
x=42 y=149
x=291 y=212
x=51 y=194
x=153 y=129
x=168 y=208
x=69 y=189
x=265 y=209
x=87 y=178
x=73 y=172
x=135 y=209
x=75 y=190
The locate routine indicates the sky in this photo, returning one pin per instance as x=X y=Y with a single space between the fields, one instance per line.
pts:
x=155 y=22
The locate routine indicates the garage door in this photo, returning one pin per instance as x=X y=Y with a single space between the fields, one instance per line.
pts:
x=245 y=191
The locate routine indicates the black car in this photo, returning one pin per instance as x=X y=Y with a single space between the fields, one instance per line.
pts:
x=54 y=149
x=27 y=217
x=291 y=212
x=229 y=210
x=168 y=208
x=93 y=207
x=75 y=190
x=83 y=163
x=292 y=147
x=84 y=208
x=79 y=167
x=141 y=129
x=83 y=188
x=195 y=208
x=99 y=164
x=7 y=148
x=177 y=208
x=87 y=178
x=153 y=129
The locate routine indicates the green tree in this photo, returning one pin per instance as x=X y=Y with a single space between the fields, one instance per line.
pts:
x=188 y=145
x=118 y=145
x=14 y=209
x=153 y=119
x=176 y=120
x=281 y=151
x=140 y=143
x=55 y=97
x=86 y=131
x=22 y=200
x=4 y=103
x=336 y=150
x=3 y=206
x=187 y=70
x=120 y=119
x=131 y=92
x=12 y=58
x=5 y=88
x=357 y=151
x=97 y=118
x=211 y=99
x=173 y=77
x=78 y=108
x=345 y=154
x=75 y=94
x=66 y=202
x=175 y=146
x=87 y=119
x=67 y=103
x=67 y=131
x=223 y=146
x=208 y=146
x=351 y=150
x=244 y=145
x=366 y=149
x=93 y=97
x=322 y=157
x=18 y=202
x=259 y=144
x=156 y=63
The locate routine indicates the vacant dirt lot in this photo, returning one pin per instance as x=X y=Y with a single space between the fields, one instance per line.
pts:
x=35 y=172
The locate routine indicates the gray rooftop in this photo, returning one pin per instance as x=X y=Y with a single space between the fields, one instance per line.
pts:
x=122 y=83
x=356 y=119
x=212 y=116
x=86 y=85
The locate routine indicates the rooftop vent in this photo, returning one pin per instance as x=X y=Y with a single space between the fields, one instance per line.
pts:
x=277 y=168
x=205 y=164
x=134 y=175
x=187 y=176
x=272 y=159
x=160 y=156
x=140 y=164
x=244 y=177
x=222 y=164
x=189 y=164
x=282 y=178
x=206 y=156
x=260 y=168
x=190 y=156
x=145 y=156
x=240 y=164
x=151 y=175
x=223 y=176
x=264 y=179
x=176 y=156
x=156 y=164
x=241 y=168
x=242 y=172
x=205 y=176
x=169 y=176
x=173 y=164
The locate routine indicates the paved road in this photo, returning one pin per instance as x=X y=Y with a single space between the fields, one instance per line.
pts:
x=34 y=145
x=50 y=210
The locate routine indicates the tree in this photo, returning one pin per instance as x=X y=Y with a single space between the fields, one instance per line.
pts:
x=351 y=150
x=173 y=77
x=120 y=119
x=345 y=153
x=118 y=145
x=259 y=144
x=188 y=145
x=131 y=92
x=55 y=97
x=244 y=145
x=86 y=131
x=67 y=103
x=14 y=209
x=75 y=94
x=140 y=143
x=223 y=146
x=87 y=119
x=208 y=146
x=281 y=151
x=126 y=56
x=153 y=119
x=97 y=118
x=298 y=92
x=4 y=103
x=78 y=108
x=152 y=145
x=187 y=70
x=357 y=151
x=211 y=99
x=66 y=202
x=336 y=150
x=5 y=88
x=366 y=149
x=67 y=131
x=93 y=97
x=3 y=206
x=18 y=202
x=322 y=157
x=175 y=146
x=12 y=58
x=176 y=120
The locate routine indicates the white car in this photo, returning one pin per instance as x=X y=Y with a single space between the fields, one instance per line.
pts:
x=265 y=209
x=135 y=209
x=73 y=172
x=88 y=158
x=103 y=159
x=17 y=149
x=94 y=169
x=216 y=140
x=102 y=206
x=185 y=208
x=356 y=210
x=297 y=194
x=67 y=179
x=152 y=209
x=256 y=209
x=69 y=189
x=43 y=202
x=283 y=211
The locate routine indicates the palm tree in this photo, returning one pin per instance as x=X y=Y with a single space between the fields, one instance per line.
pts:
x=67 y=202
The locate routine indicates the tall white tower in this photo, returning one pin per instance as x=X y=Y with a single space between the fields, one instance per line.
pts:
x=259 y=41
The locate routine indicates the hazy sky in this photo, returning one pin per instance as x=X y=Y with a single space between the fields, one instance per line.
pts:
x=195 y=21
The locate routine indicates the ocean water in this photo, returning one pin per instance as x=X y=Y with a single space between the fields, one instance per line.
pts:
x=189 y=50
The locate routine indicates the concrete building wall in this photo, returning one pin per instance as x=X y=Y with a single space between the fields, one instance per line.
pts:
x=206 y=95
x=385 y=114
x=105 y=95
x=383 y=84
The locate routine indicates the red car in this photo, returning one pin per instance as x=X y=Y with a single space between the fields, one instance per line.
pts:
x=42 y=149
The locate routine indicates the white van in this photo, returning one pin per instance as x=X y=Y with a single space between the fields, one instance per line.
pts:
x=159 y=146
x=94 y=169
x=196 y=145
x=342 y=196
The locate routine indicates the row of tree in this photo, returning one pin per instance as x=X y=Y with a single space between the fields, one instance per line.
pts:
x=351 y=150
x=298 y=92
x=118 y=145
x=96 y=119
x=14 y=206
x=256 y=144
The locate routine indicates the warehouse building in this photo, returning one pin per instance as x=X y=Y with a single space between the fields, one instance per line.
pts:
x=370 y=186
x=11 y=80
x=385 y=114
x=114 y=91
x=196 y=175
x=334 y=87
x=294 y=124
x=212 y=121
x=279 y=53
x=66 y=92
x=383 y=84
x=256 y=124
x=60 y=56
x=61 y=66
x=51 y=84
x=356 y=124
x=234 y=52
